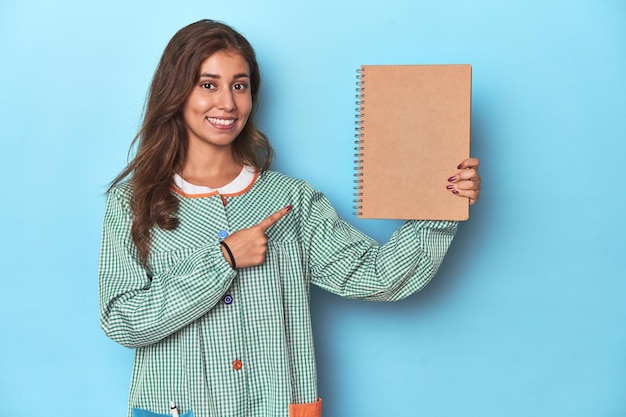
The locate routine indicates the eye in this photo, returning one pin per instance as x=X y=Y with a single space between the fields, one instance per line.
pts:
x=241 y=86
x=208 y=85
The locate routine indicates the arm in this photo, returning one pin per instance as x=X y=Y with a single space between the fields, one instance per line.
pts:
x=137 y=309
x=346 y=262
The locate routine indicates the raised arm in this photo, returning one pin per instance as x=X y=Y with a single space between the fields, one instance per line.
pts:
x=346 y=262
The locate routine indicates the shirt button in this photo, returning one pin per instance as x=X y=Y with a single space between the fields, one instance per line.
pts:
x=237 y=365
x=228 y=299
x=222 y=234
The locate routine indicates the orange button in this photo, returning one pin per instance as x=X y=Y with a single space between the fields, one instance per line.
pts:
x=237 y=365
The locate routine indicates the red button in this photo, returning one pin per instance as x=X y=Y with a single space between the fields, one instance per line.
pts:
x=237 y=365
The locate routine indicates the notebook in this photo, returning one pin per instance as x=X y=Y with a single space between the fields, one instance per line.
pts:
x=412 y=131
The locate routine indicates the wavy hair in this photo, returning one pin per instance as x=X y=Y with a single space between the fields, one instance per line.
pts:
x=162 y=141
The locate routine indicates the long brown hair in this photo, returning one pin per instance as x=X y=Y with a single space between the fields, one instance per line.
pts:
x=162 y=139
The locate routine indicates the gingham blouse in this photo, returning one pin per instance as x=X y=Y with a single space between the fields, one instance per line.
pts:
x=222 y=342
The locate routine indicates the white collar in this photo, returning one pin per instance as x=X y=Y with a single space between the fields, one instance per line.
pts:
x=238 y=185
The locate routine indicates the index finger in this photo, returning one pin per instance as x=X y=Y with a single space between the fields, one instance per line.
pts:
x=273 y=218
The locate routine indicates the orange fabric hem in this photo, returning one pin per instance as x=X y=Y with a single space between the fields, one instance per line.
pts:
x=306 y=410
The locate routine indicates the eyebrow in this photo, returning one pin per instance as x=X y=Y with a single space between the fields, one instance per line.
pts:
x=207 y=75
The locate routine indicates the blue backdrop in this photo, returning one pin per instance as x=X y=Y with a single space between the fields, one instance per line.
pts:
x=526 y=318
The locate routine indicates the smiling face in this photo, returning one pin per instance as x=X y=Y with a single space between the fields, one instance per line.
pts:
x=218 y=107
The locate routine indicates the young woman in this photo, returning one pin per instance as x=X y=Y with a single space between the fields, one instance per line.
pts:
x=207 y=256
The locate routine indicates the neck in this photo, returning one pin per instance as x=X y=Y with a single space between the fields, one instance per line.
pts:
x=212 y=168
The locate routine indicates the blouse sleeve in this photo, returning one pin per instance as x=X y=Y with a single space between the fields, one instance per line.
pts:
x=137 y=309
x=348 y=263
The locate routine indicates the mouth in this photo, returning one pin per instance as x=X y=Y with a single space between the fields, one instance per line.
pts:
x=220 y=122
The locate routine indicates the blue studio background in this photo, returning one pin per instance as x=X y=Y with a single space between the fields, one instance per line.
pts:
x=527 y=317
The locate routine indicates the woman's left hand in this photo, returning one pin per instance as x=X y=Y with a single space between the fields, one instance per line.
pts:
x=466 y=182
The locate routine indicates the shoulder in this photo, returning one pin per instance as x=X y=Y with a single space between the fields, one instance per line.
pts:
x=120 y=195
x=299 y=192
x=278 y=178
x=281 y=183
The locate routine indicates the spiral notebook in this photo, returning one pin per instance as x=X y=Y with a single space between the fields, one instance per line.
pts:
x=413 y=129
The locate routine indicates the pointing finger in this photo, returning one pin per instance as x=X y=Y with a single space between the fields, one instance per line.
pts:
x=273 y=218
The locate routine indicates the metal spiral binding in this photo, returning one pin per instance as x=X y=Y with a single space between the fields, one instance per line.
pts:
x=359 y=134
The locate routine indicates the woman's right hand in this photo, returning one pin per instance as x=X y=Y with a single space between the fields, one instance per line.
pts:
x=249 y=246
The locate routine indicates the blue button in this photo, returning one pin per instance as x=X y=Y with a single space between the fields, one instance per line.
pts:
x=228 y=299
x=222 y=234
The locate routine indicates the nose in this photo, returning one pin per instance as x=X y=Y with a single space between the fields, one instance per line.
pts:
x=226 y=100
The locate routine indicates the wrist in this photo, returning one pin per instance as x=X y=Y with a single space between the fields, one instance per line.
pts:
x=228 y=254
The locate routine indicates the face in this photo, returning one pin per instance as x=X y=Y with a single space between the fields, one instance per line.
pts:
x=219 y=105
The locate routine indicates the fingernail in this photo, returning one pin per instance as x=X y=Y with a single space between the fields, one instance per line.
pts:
x=451 y=179
x=288 y=208
x=460 y=166
x=450 y=187
x=455 y=192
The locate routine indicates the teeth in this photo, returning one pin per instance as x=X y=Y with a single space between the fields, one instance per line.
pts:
x=222 y=122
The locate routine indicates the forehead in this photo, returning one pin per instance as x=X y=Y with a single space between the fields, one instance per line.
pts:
x=225 y=63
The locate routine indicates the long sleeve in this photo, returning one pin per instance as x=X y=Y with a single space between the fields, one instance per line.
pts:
x=138 y=308
x=346 y=262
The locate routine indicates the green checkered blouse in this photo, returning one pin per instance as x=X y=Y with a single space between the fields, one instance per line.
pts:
x=221 y=342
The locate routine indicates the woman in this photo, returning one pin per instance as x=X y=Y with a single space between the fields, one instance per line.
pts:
x=207 y=256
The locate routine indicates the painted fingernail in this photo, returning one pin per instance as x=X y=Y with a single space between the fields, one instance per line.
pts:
x=288 y=208
x=460 y=166
x=450 y=187
x=451 y=179
x=455 y=192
